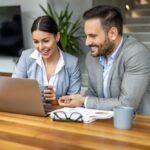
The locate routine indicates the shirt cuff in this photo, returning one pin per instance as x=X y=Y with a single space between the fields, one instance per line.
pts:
x=85 y=101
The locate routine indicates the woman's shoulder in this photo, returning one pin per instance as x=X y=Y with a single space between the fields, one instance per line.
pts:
x=26 y=56
x=28 y=52
x=71 y=62
x=69 y=58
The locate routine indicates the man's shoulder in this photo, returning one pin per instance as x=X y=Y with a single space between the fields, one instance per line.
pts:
x=134 y=50
x=132 y=44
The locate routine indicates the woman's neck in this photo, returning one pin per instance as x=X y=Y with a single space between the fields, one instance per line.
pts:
x=51 y=63
x=53 y=59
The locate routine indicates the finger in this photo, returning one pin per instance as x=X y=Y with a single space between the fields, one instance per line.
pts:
x=51 y=98
x=60 y=103
x=67 y=101
x=66 y=105
x=48 y=91
x=63 y=104
x=60 y=100
x=50 y=87
x=66 y=97
x=50 y=95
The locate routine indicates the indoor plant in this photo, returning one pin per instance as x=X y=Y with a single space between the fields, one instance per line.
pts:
x=71 y=32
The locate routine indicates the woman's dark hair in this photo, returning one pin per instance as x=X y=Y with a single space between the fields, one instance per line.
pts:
x=46 y=24
x=109 y=16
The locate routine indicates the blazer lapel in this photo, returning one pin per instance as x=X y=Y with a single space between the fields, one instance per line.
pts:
x=109 y=79
x=99 y=75
x=114 y=66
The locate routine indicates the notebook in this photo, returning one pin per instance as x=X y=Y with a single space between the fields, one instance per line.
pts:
x=21 y=96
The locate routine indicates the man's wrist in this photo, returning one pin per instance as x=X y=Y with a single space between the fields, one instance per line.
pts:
x=83 y=101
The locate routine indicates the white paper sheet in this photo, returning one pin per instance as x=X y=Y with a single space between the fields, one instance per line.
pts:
x=88 y=115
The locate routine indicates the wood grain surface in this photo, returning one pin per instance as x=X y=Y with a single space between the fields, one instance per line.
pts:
x=22 y=132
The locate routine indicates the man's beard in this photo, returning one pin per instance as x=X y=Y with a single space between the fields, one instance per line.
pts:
x=104 y=49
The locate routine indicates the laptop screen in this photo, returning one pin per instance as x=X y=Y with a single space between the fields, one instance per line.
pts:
x=20 y=96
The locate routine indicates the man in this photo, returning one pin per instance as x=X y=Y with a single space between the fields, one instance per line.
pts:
x=118 y=66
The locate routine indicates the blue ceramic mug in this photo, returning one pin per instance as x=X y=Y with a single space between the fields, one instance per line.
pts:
x=123 y=117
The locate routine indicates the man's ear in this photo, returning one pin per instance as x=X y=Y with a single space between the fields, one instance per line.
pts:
x=113 y=33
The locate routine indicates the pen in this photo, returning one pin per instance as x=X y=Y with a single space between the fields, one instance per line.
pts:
x=102 y=113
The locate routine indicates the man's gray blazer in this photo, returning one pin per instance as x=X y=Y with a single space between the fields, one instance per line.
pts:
x=128 y=81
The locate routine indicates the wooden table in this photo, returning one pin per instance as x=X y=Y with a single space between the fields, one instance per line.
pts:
x=19 y=132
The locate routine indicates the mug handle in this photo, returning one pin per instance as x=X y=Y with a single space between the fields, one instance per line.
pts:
x=134 y=114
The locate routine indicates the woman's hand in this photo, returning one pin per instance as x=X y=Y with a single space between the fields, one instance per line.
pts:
x=49 y=94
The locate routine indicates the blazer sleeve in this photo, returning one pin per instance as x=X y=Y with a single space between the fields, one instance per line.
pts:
x=133 y=85
x=75 y=78
x=21 y=68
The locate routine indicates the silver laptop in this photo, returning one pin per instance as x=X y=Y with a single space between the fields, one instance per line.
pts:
x=21 y=96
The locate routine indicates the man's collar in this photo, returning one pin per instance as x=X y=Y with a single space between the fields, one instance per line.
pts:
x=113 y=56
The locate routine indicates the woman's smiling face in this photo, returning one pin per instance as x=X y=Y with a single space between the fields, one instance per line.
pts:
x=45 y=43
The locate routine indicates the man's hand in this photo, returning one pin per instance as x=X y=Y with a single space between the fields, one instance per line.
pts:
x=71 y=101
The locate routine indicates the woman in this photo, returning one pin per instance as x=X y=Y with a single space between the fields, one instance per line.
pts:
x=47 y=63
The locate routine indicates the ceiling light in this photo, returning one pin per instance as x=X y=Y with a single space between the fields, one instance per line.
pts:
x=127 y=7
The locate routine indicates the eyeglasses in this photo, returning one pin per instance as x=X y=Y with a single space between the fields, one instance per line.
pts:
x=62 y=116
